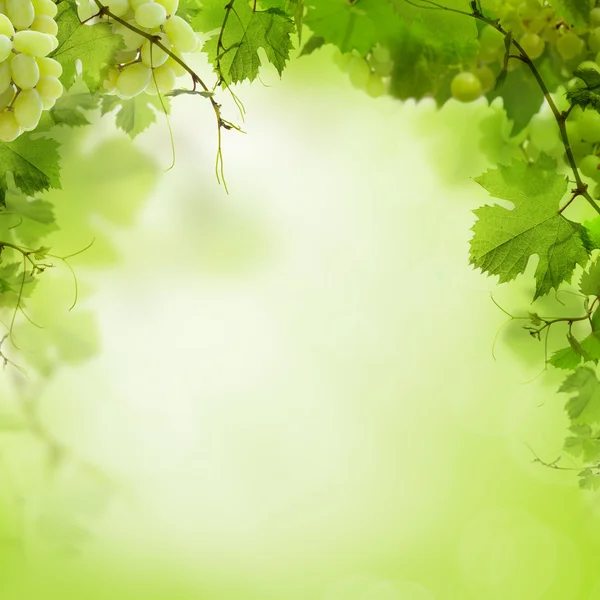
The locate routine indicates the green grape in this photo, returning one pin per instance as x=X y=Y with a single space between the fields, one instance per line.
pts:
x=50 y=87
x=152 y=55
x=6 y=47
x=179 y=70
x=375 y=86
x=595 y=17
x=589 y=126
x=589 y=166
x=570 y=45
x=49 y=66
x=465 y=87
x=45 y=24
x=5 y=76
x=6 y=27
x=359 y=72
x=486 y=77
x=594 y=40
x=131 y=39
x=135 y=4
x=33 y=43
x=544 y=132
x=117 y=7
x=560 y=99
x=45 y=7
x=164 y=78
x=575 y=84
x=133 y=80
x=25 y=71
x=170 y=6
x=28 y=109
x=380 y=60
x=20 y=12
x=180 y=33
x=48 y=103
x=342 y=60
x=6 y=97
x=150 y=15
x=491 y=43
x=110 y=83
x=9 y=128
x=589 y=64
x=533 y=45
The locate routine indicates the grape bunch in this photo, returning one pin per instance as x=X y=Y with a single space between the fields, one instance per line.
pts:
x=29 y=81
x=540 y=32
x=142 y=66
x=370 y=73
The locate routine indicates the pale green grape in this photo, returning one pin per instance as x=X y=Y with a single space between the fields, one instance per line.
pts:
x=171 y=6
x=589 y=166
x=589 y=64
x=595 y=17
x=133 y=80
x=125 y=56
x=491 y=43
x=33 y=43
x=150 y=15
x=486 y=77
x=5 y=76
x=375 y=86
x=45 y=7
x=164 y=78
x=589 y=126
x=181 y=34
x=152 y=55
x=9 y=128
x=6 y=27
x=6 y=47
x=20 y=12
x=135 y=4
x=570 y=45
x=381 y=61
x=25 y=71
x=28 y=109
x=359 y=72
x=117 y=7
x=342 y=60
x=132 y=39
x=110 y=83
x=177 y=68
x=49 y=87
x=86 y=9
x=44 y=24
x=544 y=132
x=6 y=97
x=594 y=40
x=533 y=45
x=48 y=103
x=465 y=87
x=49 y=66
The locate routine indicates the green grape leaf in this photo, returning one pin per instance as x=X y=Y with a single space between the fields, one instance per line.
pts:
x=588 y=480
x=570 y=358
x=189 y=9
x=584 y=407
x=590 y=279
x=33 y=164
x=314 y=43
x=574 y=12
x=69 y=109
x=588 y=95
x=583 y=443
x=136 y=114
x=565 y=359
x=236 y=57
x=592 y=233
x=14 y=283
x=94 y=46
x=504 y=239
x=294 y=8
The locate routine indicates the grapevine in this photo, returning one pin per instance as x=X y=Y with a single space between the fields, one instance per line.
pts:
x=535 y=62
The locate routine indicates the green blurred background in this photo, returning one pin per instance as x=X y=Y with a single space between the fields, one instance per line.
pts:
x=294 y=396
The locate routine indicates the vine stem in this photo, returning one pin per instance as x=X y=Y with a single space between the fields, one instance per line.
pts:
x=561 y=118
x=196 y=80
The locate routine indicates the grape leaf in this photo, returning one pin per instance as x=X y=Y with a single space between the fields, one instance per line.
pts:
x=188 y=10
x=314 y=43
x=34 y=165
x=584 y=407
x=245 y=32
x=588 y=95
x=353 y=25
x=583 y=443
x=570 y=358
x=590 y=280
x=294 y=8
x=588 y=480
x=136 y=114
x=94 y=46
x=504 y=239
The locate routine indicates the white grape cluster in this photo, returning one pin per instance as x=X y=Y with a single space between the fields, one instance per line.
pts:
x=142 y=66
x=540 y=31
x=29 y=81
x=371 y=73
